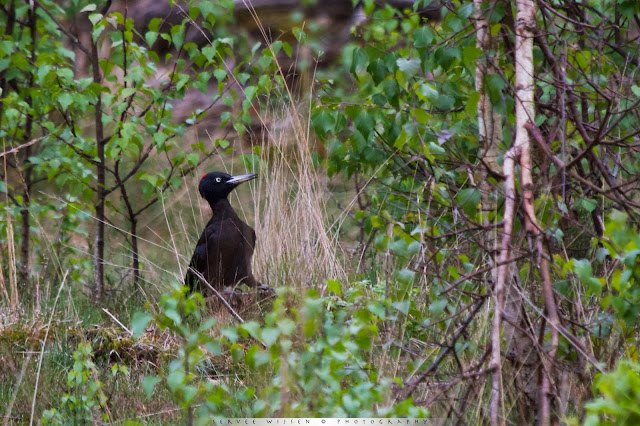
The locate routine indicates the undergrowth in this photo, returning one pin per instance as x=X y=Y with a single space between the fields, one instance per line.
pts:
x=321 y=348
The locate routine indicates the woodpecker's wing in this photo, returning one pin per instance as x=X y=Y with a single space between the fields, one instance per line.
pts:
x=222 y=254
x=198 y=262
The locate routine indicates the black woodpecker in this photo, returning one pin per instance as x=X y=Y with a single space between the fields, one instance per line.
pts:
x=223 y=253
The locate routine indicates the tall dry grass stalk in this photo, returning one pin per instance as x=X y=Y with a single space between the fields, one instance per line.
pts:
x=294 y=242
x=294 y=246
x=10 y=295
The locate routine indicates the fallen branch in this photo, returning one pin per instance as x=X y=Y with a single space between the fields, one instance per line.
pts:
x=219 y=295
x=117 y=321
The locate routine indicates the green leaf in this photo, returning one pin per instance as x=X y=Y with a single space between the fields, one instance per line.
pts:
x=95 y=18
x=276 y=46
x=409 y=67
x=583 y=58
x=472 y=104
x=470 y=55
x=437 y=306
x=177 y=36
x=322 y=123
x=214 y=347
x=257 y=357
x=378 y=71
x=414 y=248
x=155 y=23
x=583 y=270
x=402 y=306
x=379 y=99
x=350 y=404
x=139 y=323
x=377 y=308
x=423 y=37
x=287 y=326
x=587 y=204
x=446 y=56
x=498 y=12
x=65 y=99
x=88 y=8
x=358 y=60
x=128 y=91
x=252 y=328
x=287 y=48
x=173 y=315
x=494 y=83
x=300 y=35
x=209 y=52
x=399 y=247
x=405 y=276
x=237 y=352
x=334 y=287
x=392 y=90
x=220 y=74
x=149 y=383
x=269 y=336
x=630 y=258
x=365 y=123
x=175 y=380
x=444 y=102
x=193 y=159
x=465 y=10
x=427 y=92
x=250 y=92
x=230 y=333
x=422 y=116
x=468 y=200
x=377 y=222
x=150 y=37
x=435 y=148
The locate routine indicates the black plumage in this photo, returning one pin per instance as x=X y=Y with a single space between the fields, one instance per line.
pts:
x=223 y=252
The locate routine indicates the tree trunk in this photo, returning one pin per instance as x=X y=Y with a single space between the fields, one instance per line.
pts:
x=98 y=257
x=26 y=172
x=525 y=115
x=518 y=332
x=499 y=290
x=489 y=120
x=490 y=135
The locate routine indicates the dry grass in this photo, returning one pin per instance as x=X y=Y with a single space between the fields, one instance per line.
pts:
x=295 y=247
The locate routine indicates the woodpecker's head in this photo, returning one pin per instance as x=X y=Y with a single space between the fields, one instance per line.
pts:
x=216 y=186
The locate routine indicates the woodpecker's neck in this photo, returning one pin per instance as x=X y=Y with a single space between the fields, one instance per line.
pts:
x=221 y=208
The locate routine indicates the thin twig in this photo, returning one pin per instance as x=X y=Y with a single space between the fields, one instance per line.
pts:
x=478 y=272
x=118 y=322
x=218 y=294
x=413 y=384
x=19 y=147
x=62 y=28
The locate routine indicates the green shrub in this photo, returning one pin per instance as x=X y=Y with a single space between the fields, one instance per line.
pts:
x=308 y=361
x=619 y=403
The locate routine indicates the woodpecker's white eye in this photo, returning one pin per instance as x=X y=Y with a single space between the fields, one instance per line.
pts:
x=218 y=180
